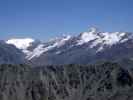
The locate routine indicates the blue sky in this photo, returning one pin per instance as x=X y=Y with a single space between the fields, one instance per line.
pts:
x=44 y=19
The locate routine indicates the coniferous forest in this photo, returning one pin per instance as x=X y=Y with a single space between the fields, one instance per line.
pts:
x=104 y=81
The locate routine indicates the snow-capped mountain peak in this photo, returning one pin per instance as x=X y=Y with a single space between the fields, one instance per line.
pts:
x=102 y=39
x=23 y=43
x=62 y=41
x=88 y=36
x=91 y=40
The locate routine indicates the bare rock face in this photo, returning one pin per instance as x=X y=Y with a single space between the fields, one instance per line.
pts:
x=106 y=81
x=9 y=54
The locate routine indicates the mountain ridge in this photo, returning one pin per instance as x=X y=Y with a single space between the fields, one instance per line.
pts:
x=87 y=47
x=9 y=54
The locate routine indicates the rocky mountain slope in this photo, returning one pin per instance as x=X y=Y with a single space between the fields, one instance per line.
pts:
x=9 y=54
x=87 y=47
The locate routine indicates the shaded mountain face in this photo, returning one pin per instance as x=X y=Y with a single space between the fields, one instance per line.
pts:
x=88 y=47
x=9 y=54
x=107 y=81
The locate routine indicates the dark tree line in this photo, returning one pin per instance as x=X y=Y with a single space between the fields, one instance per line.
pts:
x=105 y=81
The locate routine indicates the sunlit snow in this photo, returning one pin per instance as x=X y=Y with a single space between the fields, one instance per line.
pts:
x=21 y=43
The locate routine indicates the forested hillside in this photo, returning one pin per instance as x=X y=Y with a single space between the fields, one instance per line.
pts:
x=107 y=81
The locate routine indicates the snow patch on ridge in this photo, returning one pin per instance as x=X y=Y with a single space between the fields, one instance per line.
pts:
x=87 y=36
x=20 y=43
x=24 y=43
x=111 y=38
x=41 y=48
x=63 y=41
x=101 y=38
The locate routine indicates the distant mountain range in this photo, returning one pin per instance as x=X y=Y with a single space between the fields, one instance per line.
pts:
x=87 y=47
x=57 y=70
